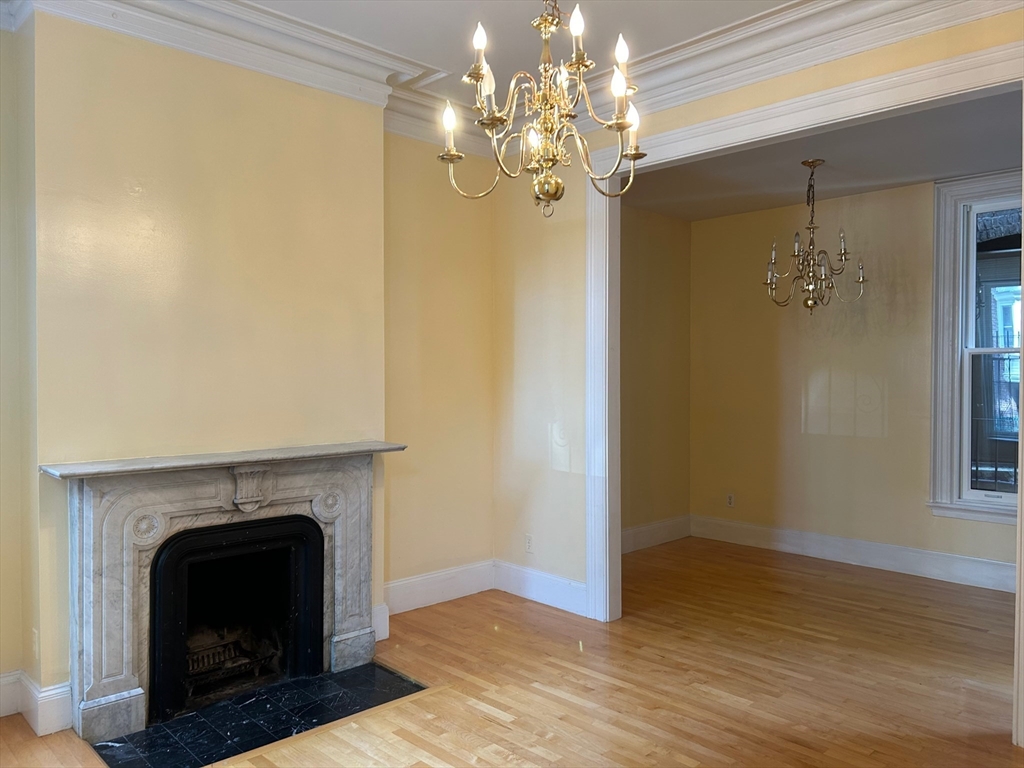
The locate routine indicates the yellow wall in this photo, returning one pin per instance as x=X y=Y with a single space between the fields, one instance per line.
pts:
x=210 y=266
x=15 y=326
x=821 y=423
x=540 y=340
x=439 y=357
x=655 y=367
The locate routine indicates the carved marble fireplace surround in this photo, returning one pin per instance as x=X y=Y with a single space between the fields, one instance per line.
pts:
x=121 y=512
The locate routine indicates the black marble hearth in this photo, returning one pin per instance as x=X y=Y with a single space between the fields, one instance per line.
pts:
x=256 y=719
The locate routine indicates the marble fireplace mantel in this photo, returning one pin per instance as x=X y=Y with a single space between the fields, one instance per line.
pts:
x=122 y=510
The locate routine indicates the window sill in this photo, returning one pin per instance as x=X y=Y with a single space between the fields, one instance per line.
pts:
x=978 y=511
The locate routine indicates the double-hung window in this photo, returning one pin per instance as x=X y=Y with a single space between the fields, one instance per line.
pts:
x=977 y=348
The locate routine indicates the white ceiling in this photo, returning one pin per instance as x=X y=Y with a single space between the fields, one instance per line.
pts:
x=439 y=32
x=981 y=135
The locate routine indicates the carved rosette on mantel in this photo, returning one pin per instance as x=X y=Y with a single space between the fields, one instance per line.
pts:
x=121 y=512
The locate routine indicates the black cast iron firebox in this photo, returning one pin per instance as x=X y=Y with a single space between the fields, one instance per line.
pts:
x=234 y=606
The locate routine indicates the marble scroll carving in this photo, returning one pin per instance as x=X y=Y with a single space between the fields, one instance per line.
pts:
x=118 y=522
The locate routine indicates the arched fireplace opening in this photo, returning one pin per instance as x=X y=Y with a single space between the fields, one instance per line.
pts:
x=234 y=607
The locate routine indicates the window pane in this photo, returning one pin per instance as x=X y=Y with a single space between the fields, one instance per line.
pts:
x=997 y=279
x=995 y=422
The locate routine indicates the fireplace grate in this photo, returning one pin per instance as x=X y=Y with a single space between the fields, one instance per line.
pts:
x=222 y=661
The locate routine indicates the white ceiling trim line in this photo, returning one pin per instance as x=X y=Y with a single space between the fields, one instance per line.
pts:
x=801 y=34
x=13 y=13
x=1002 y=65
x=417 y=115
x=250 y=36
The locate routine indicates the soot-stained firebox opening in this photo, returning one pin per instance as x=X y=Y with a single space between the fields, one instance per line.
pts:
x=235 y=607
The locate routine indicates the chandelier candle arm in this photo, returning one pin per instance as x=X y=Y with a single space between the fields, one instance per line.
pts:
x=468 y=196
x=548 y=105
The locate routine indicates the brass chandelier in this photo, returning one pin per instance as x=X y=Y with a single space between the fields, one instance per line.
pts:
x=551 y=100
x=815 y=272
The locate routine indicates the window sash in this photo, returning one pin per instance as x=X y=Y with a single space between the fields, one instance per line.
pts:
x=950 y=388
x=967 y=493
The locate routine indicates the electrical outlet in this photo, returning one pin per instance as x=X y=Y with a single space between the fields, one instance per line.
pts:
x=529 y=544
x=35 y=643
x=730 y=500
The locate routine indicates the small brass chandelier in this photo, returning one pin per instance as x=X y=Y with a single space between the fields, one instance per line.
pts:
x=815 y=272
x=543 y=142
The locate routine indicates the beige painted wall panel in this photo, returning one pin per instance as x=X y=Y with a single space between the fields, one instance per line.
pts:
x=540 y=344
x=210 y=266
x=12 y=397
x=655 y=367
x=210 y=254
x=822 y=423
x=439 y=361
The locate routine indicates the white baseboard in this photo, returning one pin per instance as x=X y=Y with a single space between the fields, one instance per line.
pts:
x=47 y=710
x=10 y=693
x=960 y=569
x=380 y=620
x=440 y=586
x=541 y=587
x=653 y=534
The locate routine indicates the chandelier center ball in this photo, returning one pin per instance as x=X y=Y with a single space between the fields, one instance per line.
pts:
x=547 y=187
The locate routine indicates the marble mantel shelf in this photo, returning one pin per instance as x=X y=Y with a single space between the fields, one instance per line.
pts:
x=203 y=460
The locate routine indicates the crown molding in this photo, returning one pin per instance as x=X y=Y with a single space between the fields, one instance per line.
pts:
x=13 y=14
x=795 y=36
x=417 y=115
x=253 y=37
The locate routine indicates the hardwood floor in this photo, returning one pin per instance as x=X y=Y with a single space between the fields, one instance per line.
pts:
x=725 y=656
x=21 y=748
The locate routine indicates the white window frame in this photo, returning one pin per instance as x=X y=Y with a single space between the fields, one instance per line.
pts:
x=951 y=495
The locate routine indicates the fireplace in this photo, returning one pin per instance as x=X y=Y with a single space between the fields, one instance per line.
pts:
x=234 y=607
x=145 y=532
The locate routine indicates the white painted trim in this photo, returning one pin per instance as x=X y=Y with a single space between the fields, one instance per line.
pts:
x=14 y=13
x=795 y=36
x=47 y=710
x=452 y=583
x=253 y=37
x=380 y=621
x=10 y=693
x=960 y=569
x=906 y=90
x=414 y=592
x=540 y=587
x=653 y=534
x=603 y=498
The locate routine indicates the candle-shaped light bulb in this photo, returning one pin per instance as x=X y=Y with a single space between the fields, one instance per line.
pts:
x=563 y=80
x=576 y=29
x=479 y=43
x=533 y=137
x=634 y=118
x=773 y=249
x=771 y=271
x=619 y=90
x=448 y=120
x=860 y=271
x=796 y=244
x=621 y=54
x=842 y=241
x=487 y=89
